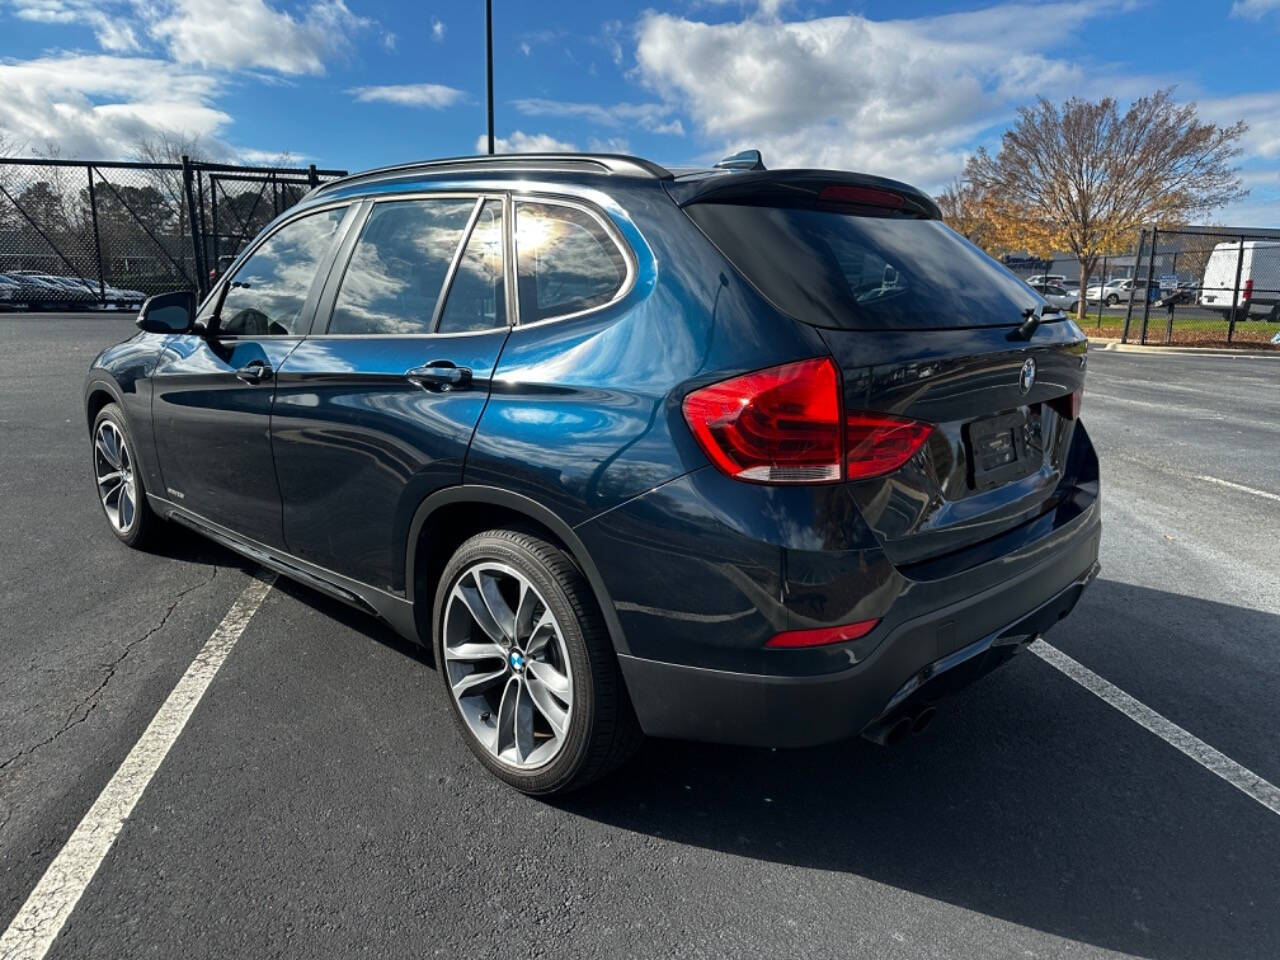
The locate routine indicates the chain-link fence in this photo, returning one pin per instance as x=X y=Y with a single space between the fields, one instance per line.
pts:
x=1197 y=286
x=105 y=235
x=1204 y=285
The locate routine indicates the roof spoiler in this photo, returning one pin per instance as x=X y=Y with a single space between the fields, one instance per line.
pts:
x=829 y=188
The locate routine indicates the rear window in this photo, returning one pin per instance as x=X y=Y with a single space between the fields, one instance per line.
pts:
x=854 y=272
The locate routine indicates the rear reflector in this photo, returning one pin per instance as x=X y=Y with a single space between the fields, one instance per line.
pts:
x=791 y=639
x=1068 y=407
x=785 y=425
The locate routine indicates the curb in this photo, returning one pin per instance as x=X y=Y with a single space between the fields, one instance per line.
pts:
x=1100 y=343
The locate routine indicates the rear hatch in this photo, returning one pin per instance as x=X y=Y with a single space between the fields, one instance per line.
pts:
x=922 y=325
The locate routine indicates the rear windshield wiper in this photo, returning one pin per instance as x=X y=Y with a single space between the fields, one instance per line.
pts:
x=1034 y=316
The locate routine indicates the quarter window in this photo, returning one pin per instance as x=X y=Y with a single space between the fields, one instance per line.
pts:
x=476 y=299
x=267 y=294
x=567 y=261
x=399 y=267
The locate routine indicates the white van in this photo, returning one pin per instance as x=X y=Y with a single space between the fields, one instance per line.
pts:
x=1258 y=295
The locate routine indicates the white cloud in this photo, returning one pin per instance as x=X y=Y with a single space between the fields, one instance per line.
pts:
x=1260 y=110
x=902 y=98
x=521 y=142
x=653 y=117
x=433 y=95
x=102 y=106
x=113 y=33
x=437 y=29
x=1254 y=9
x=610 y=145
x=272 y=158
x=240 y=34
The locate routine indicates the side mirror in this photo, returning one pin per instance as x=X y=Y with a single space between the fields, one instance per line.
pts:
x=168 y=312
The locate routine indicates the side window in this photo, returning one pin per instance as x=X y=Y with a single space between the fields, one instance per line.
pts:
x=399 y=265
x=268 y=292
x=476 y=299
x=567 y=261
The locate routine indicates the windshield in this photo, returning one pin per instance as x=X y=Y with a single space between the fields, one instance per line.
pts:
x=834 y=269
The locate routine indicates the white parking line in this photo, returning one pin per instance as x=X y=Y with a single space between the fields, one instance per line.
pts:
x=1240 y=486
x=1243 y=779
x=33 y=930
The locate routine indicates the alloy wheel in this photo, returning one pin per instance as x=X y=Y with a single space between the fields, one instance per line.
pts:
x=507 y=665
x=113 y=470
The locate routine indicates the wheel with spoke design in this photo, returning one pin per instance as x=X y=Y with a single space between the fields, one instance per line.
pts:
x=528 y=665
x=118 y=479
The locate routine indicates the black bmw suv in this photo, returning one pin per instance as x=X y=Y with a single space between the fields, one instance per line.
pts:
x=737 y=455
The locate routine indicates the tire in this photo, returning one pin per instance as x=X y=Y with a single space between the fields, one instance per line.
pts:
x=1274 y=315
x=123 y=501
x=1074 y=308
x=1112 y=300
x=533 y=673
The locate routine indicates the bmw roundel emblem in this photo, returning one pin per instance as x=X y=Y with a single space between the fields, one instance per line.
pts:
x=1027 y=378
x=517 y=660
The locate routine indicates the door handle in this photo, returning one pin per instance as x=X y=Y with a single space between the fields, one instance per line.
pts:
x=439 y=375
x=255 y=371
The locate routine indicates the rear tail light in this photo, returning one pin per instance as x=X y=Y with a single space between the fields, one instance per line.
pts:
x=880 y=444
x=791 y=639
x=786 y=425
x=1248 y=290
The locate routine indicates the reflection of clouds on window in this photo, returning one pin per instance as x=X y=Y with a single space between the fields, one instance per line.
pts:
x=398 y=267
x=476 y=298
x=567 y=261
x=268 y=292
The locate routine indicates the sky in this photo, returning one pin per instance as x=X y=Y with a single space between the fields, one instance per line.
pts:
x=900 y=88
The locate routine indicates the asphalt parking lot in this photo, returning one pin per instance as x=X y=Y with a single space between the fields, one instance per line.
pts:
x=319 y=803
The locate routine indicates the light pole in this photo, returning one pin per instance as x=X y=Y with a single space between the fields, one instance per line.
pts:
x=488 y=62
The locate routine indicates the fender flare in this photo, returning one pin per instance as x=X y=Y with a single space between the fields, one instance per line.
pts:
x=496 y=496
x=101 y=382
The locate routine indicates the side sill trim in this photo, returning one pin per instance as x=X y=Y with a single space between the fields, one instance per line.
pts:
x=395 y=611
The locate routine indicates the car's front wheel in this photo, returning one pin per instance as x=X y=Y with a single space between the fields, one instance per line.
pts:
x=528 y=665
x=118 y=477
x=1112 y=300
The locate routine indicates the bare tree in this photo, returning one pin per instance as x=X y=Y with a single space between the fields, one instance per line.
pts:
x=1083 y=178
x=166 y=149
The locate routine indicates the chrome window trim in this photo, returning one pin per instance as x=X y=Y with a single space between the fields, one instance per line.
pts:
x=450 y=271
x=611 y=231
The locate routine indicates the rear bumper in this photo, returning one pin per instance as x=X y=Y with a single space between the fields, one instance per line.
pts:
x=923 y=658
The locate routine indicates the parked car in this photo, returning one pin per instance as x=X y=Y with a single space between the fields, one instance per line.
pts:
x=1120 y=290
x=1257 y=295
x=108 y=297
x=1047 y=279
x=11 y=293
x=1186 y=292
x=742 y=456
x=48 y=292
x=1061 y=297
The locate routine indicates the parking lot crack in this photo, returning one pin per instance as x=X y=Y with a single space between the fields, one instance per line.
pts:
x=87 y=704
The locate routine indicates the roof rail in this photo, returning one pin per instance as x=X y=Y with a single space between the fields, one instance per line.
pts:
x=606 y=163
